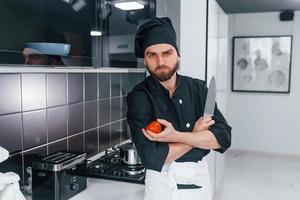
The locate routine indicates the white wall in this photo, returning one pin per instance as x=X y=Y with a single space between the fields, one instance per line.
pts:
x=266 y=122
x=193 y=38
x=171 y=9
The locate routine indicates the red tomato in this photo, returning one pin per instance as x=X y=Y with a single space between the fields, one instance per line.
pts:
x=154 y=127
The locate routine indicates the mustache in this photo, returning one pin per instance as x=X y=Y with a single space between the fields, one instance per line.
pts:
x=162 y=66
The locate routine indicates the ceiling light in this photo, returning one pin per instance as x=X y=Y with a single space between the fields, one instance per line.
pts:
x=68 y=1
x=131 y=5
x=95 y=33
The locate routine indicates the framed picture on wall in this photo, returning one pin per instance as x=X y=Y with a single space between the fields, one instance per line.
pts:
x=261 y=64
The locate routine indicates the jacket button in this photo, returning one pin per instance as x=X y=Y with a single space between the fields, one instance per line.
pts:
x=180 y=101
x=188 y=125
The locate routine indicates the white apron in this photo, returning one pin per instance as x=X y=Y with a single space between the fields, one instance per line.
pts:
x=163 y=185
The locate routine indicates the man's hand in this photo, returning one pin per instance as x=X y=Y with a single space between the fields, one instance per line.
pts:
x=167 y=135
x=203 y=124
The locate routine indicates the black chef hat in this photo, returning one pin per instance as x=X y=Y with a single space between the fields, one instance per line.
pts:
x=155 y=31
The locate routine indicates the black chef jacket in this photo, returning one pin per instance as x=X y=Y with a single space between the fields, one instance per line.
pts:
x=150 y=100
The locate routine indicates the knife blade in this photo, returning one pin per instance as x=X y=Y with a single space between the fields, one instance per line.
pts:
x=210 y=99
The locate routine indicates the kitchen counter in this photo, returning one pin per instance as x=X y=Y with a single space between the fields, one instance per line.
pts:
x=100 y=189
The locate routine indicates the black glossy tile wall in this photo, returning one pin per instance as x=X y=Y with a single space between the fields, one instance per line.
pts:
x=104 y=86
x=34 y=128
x=75 y=88
x=115 y=85
x=125 y=131
x=56 y=89
x=91 y=114
x=76 y=143
x=57 y=146
x=104 y=111
x=11 y=132
x=57 y=123
x=115 y=109
x=43 y=113
x=91 y=142
x=33 y=91
x=91 y=87
x=10 y=90
x=115 y=133
x=75 y=118
x=104 y=137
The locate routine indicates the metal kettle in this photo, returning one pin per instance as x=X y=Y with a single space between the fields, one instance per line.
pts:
x=129 y=154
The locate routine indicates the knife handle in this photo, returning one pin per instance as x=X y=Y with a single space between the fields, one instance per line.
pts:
x=206 y=116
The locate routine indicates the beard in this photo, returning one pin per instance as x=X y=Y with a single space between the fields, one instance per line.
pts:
x=163 y=72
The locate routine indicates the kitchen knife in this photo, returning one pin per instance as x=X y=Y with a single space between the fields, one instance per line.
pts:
x=210 y=99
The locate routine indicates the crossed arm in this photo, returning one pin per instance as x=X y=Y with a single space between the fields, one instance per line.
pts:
x=181 y=143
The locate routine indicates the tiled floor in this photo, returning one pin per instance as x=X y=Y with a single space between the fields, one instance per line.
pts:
x=254 y=176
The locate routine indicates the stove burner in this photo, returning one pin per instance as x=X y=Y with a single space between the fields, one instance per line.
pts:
x=103 y=166
x=133 y=171
x=114 y=160
x=110 y=166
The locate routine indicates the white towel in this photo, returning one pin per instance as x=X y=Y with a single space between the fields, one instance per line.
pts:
x=9 y=182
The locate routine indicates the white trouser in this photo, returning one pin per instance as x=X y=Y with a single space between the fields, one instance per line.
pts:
x=163 y=185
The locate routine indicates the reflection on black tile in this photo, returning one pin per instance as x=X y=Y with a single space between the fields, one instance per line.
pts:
x=57 y=123
x=57 y=146
x=75 y=88
x=124 y=107
x=75 y=115
x=56 y=89
x=10 y=90
x=33 y=91
x=104 y=112
x=90 y=87
x=125 y=131
x=115 y=109
x=31 y=156
x=104 y=138
x=11 y=132
x=34 y=124
x=91 y=142
x=91 y=114
x=104 y=85
x=128 y=82
x=13 y=164
x=115 y=85
x=76 y=143
x=115 y=133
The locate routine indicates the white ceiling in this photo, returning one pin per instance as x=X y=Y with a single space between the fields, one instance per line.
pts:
x=248 y=6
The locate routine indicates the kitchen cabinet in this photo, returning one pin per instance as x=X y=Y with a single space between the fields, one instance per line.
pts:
x=98 y=32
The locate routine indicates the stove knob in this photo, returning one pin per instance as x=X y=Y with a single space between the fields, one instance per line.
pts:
x=74 y=187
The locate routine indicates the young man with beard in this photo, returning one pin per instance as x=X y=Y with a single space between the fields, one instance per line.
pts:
x=173 y=158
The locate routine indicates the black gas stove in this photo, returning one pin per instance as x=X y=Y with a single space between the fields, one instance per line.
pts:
x=110 y=166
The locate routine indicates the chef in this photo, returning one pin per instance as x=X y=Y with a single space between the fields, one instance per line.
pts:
x=174 y=158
